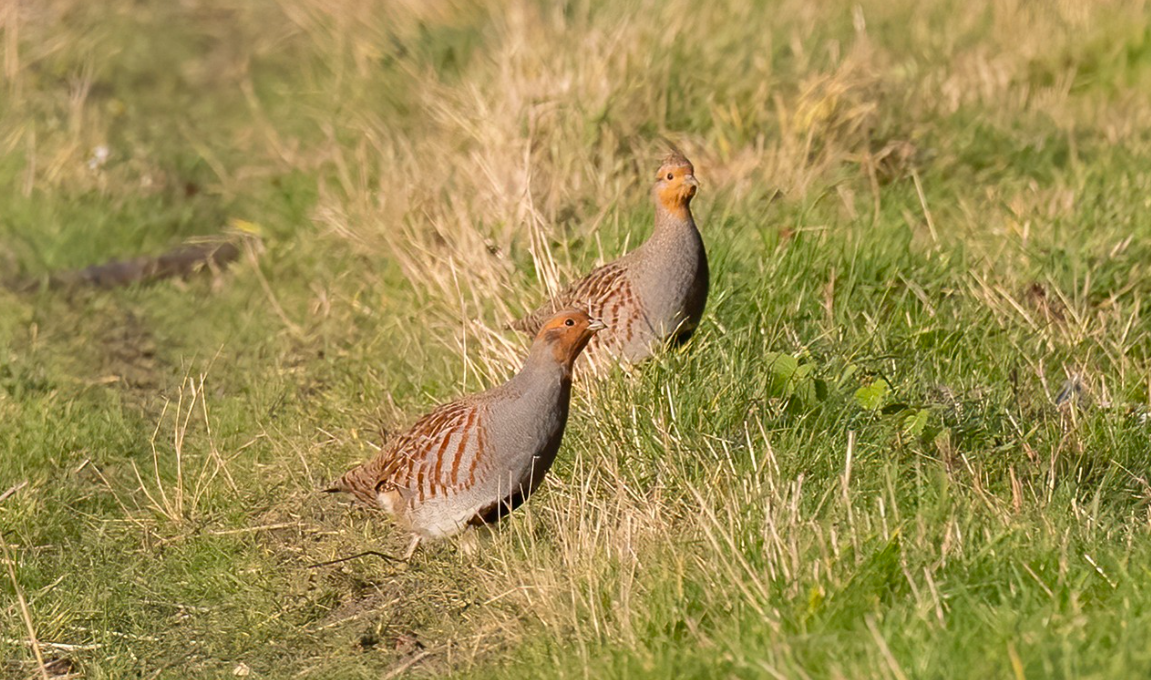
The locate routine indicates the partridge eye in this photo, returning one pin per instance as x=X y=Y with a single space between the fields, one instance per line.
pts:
x=569 y=322
x=670 y=176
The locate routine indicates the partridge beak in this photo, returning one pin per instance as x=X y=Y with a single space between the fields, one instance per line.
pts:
x=691 y=181
x=596 y=325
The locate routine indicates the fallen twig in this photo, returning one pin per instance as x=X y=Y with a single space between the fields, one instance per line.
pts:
x=4 y=496
x=56 y=645
x=355 y=557
x=405 y=665
x=180 y=261
x=248 y=530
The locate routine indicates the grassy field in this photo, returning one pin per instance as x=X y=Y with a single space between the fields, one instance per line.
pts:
x=910 y=440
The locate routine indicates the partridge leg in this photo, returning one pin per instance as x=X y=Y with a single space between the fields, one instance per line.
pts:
x=411 y=547
x=469 y=543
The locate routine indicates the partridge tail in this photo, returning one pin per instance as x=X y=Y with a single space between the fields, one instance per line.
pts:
x=342 y=485
x=528 y=325
x=532 y=322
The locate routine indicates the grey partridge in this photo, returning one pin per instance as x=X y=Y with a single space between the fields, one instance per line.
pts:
x=476 y=459
x=652 y=295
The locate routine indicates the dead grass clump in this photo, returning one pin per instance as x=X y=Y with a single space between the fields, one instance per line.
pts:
x=549 y=138
x=183 y=472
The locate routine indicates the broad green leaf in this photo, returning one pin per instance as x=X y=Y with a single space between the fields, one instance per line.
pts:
x=872 y=397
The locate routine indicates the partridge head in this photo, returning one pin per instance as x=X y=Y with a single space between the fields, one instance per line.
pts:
x=675 y=184
x=565 y=335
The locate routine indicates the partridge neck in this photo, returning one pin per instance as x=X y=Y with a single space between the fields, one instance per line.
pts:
x=544 y=365
x=672 y=223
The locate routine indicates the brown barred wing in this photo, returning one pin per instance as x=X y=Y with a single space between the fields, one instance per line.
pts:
x=438 y=456
x=612 y=299
x=599 y=290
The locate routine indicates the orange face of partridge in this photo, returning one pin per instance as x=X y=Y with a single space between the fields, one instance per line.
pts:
x=567 y=333
x=676 y=184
